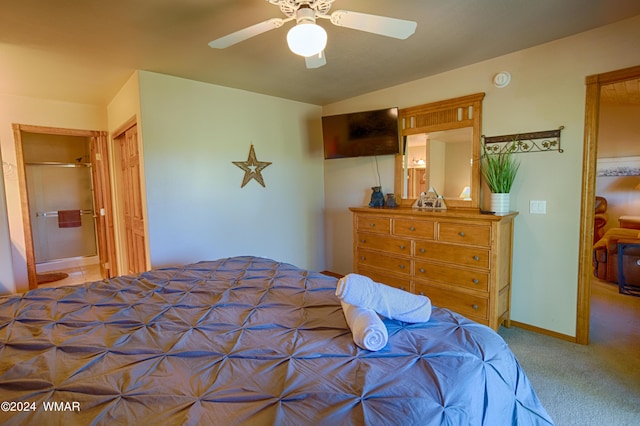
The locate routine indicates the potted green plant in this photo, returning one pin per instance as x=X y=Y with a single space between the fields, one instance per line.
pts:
x=499 y=170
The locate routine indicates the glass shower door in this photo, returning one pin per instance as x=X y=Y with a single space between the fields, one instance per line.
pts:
x=55 y=187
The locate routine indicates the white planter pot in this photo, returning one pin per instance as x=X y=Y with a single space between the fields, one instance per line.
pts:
x=500 y=203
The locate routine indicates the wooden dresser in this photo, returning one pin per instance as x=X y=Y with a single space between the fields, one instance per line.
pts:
x=460 y=259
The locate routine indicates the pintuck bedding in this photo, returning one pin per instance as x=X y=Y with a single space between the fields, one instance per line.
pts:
x=244 y=340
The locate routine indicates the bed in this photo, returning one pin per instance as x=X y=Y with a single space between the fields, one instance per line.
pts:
x=244 y=340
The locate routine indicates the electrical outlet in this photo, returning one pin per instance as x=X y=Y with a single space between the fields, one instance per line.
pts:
x=538 y=206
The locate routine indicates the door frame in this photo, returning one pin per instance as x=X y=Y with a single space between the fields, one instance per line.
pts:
x=120 y=195
x=589 y=162
x=101 y=196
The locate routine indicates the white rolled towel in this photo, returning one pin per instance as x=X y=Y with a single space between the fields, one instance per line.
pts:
x=388 y=301
x=369 y=332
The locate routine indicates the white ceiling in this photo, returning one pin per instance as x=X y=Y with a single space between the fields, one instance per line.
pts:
x=84 y=50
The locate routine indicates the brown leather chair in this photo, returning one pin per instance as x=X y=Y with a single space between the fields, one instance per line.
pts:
x=599 y=219
x=605 y=252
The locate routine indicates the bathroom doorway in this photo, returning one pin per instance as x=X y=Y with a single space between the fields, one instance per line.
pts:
x=65 y=193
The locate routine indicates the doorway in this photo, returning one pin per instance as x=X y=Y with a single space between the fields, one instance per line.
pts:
x=594 y=85
x=65 y=195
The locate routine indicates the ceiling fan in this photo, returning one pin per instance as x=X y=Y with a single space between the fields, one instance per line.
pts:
x=307 y=38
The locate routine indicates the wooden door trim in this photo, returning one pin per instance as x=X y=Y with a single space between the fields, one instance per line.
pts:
x=29 y=254
x=116 y=135
x=22 y=185
x=133 y=121
x=592 y=113
x=103 y=200
x=123 y=141
x=56 y=130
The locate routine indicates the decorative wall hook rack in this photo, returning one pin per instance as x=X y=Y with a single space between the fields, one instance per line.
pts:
x=548 y=140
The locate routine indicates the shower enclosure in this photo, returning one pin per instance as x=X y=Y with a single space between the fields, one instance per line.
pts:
x=60 y=191
x=53 y=188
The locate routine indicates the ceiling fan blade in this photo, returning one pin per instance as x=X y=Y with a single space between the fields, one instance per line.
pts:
x=316 y=61
x=246 y=33
x=390 y=27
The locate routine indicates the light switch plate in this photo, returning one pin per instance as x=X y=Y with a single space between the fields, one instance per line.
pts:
x=538 y=206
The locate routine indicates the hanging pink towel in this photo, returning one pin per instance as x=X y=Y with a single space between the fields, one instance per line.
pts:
x=69 y=219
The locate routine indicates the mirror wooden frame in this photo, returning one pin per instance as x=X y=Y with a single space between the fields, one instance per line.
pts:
x=456 y=113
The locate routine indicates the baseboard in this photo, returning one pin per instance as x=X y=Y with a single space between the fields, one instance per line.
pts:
x=544 y=331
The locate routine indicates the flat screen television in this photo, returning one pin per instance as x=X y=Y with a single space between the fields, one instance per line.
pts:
x=361 y=134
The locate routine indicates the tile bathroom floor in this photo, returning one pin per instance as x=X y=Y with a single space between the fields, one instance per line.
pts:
x=77 y=275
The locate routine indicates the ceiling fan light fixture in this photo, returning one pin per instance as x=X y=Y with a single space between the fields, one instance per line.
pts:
x=307 y=39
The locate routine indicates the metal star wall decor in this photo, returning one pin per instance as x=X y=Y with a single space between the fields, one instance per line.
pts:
x=252 y=168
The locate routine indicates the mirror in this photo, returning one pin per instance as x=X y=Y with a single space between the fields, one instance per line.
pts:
x=442 y=160
x=441 y=141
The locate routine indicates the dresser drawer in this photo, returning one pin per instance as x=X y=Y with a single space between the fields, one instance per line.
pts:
x=388 y=244
x=469 y=305
x=469 y=256
x=414 y=228
x=381 y=225
x=384 y=261
x=475 y=280
x=463 y=233
x=460 y=258
x=390 y=280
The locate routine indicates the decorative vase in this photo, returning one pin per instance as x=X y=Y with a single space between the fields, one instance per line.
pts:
x=391 y=200
x=500 y=203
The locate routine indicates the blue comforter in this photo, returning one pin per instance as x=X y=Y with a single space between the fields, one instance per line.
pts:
x=244 y=340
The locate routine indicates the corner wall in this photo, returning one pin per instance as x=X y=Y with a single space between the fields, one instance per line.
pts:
x=123 y=107
x=37 y=112
x=196 y=207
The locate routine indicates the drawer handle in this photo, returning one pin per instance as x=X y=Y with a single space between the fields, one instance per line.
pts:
x=363 y=241
x=402 y=288
x=461 y=233
x=422 y=250
x=475 y=307
x=401 y=266
x=422 y=270
x=411 y=228
x=372 y=225
x=422 y=293
x=402 y=247
x=476 y=258
x=476 y=281
x=363 y=258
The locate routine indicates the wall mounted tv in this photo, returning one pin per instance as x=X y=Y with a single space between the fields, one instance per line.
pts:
x=361 y=134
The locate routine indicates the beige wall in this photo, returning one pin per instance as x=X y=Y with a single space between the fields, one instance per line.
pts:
x=198 y=210
x=196 y=207
x=7 y=284
x=39 y=112
x=618 y=131
x=547 y=91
